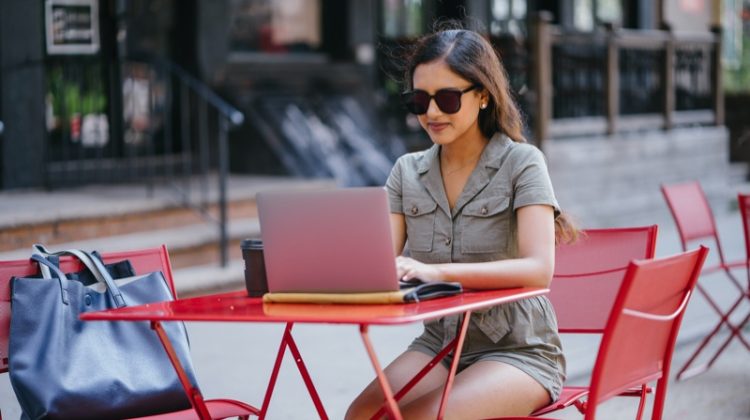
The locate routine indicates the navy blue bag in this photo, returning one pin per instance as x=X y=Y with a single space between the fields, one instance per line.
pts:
x=64 y=368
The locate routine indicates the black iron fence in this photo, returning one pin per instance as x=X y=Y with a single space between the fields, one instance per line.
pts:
x=615 y=79
x=162 y=126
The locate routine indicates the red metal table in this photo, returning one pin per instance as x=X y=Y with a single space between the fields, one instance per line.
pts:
x=237 y=307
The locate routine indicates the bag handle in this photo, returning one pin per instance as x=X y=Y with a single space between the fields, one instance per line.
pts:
x=43 y=262
x=38 y=249
x=94 y=266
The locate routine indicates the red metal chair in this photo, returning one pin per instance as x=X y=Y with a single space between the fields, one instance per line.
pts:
x=143 y=261
x=641 y=330
x=695 y=223
x=591 y=270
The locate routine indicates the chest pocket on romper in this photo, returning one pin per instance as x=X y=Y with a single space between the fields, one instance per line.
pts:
x=420 y=224
x=486 y=225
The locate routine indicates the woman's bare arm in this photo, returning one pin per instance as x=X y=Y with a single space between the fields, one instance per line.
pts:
x=398 y=232
x=533 y=267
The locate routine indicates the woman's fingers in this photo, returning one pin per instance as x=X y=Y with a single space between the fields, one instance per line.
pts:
x=405 y=267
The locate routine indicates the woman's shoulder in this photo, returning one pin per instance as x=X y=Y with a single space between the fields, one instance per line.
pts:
x=524 y=153
x=514 y=153
x=524 y=149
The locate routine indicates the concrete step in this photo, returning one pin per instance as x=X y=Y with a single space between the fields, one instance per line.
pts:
x=188 y=245
x=100 y=211
x=114 y=218
x=209 y=278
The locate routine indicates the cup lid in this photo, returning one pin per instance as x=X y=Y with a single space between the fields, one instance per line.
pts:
x=251 y=243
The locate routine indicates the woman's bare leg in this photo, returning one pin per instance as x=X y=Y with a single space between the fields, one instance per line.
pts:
x=484 y=389
x=399 y=372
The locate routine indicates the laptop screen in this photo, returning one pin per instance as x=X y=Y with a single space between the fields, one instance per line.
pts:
x=335 y=241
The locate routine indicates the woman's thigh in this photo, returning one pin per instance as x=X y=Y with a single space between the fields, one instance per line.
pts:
x=399 y=373
x=484 y=389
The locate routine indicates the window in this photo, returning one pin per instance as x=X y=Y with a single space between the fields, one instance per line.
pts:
x=267 y=26
x=588 y=13
x=402 y=18
x=508 y=16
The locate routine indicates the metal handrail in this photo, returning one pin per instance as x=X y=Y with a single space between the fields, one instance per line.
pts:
x=232 y=117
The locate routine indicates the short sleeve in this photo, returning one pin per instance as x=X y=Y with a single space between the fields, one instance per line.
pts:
x=394 y=186
x=532 y=182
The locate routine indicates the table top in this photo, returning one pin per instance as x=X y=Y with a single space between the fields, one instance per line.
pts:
x=238 y=307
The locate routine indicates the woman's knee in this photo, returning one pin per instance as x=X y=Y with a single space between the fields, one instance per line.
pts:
x=363 y=407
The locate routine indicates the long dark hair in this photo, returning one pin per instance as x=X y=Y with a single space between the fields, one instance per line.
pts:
x=471 y=56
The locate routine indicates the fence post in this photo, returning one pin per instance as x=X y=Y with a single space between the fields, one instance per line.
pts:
x=669 y=86
x=717 y=78
x=223 y=172
x=613 y=78
x=541 y=46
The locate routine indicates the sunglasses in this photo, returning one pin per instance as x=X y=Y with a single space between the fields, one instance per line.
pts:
x=448 y=100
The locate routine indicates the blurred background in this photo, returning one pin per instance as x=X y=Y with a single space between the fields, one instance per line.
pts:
x=163 y=115
x=169 y=114
x=133 y=123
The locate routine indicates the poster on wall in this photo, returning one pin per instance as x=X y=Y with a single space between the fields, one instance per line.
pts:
x=72 y=26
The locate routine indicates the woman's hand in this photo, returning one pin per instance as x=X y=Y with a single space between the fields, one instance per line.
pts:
x=409 y=268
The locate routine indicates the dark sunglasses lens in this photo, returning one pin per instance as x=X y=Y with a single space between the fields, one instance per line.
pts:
x=449 y=101
x=417 y=101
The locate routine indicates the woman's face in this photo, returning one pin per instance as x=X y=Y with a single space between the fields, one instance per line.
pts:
x=447 y=128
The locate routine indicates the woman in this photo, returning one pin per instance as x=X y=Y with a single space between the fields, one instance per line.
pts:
x=476 y=208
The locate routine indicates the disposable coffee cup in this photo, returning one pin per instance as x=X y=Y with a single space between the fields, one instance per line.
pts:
x=255 y=267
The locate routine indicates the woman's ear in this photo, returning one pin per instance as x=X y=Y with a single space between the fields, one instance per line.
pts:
x=484 y=98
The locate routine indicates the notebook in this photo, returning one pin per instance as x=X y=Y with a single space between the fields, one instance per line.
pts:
x=327 y=241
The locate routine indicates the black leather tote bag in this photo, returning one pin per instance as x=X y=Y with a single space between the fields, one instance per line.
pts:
x=64 y=368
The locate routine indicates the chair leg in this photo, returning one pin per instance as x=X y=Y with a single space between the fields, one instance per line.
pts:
x=686 y=371
x=736 y=332
x=642 y=401
x=660 y=394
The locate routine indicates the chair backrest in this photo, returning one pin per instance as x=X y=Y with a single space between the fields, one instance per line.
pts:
x=590 y=271
x=744 y=202
x=642 y=328
x=691 y=212
x=143 y=261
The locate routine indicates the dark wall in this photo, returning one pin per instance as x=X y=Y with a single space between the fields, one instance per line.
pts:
x=23 y=90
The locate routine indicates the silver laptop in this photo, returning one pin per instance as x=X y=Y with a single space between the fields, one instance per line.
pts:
x=336 y=240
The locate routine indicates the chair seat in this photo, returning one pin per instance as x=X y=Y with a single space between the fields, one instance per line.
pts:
x=218 y=408
x=568 y=396
x=571 y=394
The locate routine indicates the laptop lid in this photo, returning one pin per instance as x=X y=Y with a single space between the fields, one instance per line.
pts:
x=336 y=240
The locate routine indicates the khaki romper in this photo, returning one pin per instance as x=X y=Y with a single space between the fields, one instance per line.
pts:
x=482 y=227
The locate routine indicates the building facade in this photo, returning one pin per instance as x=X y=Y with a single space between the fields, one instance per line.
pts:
x=110 y=91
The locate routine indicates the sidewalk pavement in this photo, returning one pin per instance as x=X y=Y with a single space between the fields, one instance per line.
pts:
x=235 y=360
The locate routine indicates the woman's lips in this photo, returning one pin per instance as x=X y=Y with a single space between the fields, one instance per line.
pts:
x=437 y=127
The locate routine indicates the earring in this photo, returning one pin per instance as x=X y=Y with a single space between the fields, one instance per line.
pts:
x=483 y=106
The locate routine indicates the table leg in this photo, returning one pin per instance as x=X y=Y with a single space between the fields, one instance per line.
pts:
x=193 y=393
x=288 y=341
x=384 y=385
x=454 y=364
x=421 y=374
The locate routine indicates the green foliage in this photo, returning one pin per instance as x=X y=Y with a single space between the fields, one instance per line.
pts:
x=738 y=80
x=70 y=96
